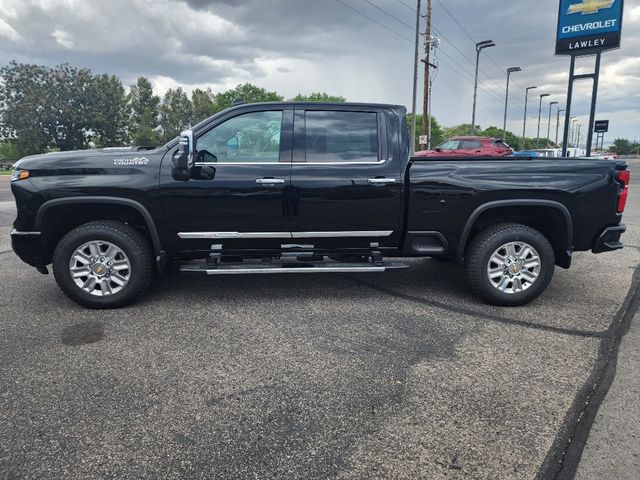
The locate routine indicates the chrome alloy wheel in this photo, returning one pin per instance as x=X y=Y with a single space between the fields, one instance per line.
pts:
x=514 y=267
x=100 y=268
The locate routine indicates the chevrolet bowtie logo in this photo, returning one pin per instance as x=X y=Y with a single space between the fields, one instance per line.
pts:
x=590 y=6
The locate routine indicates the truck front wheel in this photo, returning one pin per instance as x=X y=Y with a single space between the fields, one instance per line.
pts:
x=509 y=264
x=103 y=264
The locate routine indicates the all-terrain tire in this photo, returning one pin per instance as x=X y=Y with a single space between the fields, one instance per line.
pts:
x=132 y=246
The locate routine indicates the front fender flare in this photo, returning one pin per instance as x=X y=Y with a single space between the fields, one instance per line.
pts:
x=146 y=216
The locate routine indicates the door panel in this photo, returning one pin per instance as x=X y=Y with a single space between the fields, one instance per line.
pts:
x=347 y=187
x=238 y=192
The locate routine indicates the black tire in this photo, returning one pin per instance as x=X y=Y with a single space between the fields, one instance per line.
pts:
x=127 y=239
x=488 y=241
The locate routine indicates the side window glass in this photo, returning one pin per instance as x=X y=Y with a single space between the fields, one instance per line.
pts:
x=251 y=137
x=470 y=145
x=335 y=136
x=449 y=145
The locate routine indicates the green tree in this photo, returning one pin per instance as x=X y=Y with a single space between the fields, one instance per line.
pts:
x=318 y=97
x=8 y=152
x=22 y=106
x=512 y=139
x=176 y=113
x=144 y=113
x=203 y=105
x=46 y=107
x=110 y=112
x=437 y=132
x=459 y=130
x=622 y=146
x=248 y=93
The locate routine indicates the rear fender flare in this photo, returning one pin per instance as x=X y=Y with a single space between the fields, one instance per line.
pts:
x=464 y=238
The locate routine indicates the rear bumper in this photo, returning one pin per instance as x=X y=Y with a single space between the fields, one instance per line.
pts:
x=609 y=239
x=28 y=247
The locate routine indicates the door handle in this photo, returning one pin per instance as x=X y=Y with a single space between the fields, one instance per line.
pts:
x=380 y=181
x=270 y=181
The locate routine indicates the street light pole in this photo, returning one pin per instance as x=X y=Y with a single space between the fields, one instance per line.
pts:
x=558 y=123
x=549 y=122
x=524 y=124
x=573 y=131
x=506 y=100
x=539 y=117
x=479 y=47
x=578 y=140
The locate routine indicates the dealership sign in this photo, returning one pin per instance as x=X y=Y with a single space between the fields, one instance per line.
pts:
x=586 y=27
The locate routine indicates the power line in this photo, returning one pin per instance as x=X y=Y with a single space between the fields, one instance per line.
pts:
x=374 y=21
x=388 y=14
x=485 y=89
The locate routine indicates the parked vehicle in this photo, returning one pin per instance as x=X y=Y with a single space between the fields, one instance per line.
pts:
x=469 y=147
x=305 y=188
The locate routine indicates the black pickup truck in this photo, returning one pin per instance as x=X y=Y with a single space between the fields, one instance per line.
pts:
x=305 y=188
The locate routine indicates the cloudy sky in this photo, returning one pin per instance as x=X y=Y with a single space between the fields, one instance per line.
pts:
x=360 y=49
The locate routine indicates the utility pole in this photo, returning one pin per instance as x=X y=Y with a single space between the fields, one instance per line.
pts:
x=426 y=120
x=434 y=66
x=415 y=82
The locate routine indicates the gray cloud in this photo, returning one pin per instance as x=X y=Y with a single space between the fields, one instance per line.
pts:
x=309 y=45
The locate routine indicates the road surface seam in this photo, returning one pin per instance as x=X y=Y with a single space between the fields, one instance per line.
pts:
x=564 y=455
x=486 y=316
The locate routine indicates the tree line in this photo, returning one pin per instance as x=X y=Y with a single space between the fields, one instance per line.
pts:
x=67 y=108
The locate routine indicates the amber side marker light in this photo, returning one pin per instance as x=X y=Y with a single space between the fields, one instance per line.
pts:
x=19 y=175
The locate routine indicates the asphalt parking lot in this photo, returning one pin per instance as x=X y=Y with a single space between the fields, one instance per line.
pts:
x=397 y=375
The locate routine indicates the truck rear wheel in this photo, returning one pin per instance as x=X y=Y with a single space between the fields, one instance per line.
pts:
x=103 y=264
x=509 y=264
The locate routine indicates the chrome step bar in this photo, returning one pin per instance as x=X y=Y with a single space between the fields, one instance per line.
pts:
x=328 y=267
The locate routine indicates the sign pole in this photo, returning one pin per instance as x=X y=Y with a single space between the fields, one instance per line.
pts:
x=594 y=97
x=567 y=115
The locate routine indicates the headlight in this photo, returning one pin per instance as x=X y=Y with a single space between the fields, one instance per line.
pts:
x=19 y=175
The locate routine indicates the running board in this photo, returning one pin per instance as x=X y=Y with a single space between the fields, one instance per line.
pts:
x=332 y=267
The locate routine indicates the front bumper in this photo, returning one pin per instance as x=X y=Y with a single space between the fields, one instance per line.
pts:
x=28 y=247
x=609 y=239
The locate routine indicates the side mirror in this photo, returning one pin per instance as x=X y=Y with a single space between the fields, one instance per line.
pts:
x=183 y=158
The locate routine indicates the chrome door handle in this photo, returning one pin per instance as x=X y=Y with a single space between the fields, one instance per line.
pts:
x=270 y=181
x=379 y=181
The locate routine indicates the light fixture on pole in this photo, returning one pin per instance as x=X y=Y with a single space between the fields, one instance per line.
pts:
x=524 y=124
x=551 y=104
x=539 y=116
x=558 y=122
x=479 y=47
x=506 y=100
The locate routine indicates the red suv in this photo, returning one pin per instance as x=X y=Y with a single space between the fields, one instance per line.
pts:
x=469 y=147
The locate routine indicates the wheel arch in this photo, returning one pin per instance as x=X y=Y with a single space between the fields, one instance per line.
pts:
x=550 y=217
x=54 y=210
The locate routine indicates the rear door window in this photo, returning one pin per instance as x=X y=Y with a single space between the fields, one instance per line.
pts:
x=336 y=136
x=470 y=145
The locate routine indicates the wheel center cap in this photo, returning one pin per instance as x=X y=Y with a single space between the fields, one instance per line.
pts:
x=99 y=269
x=514 y=268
